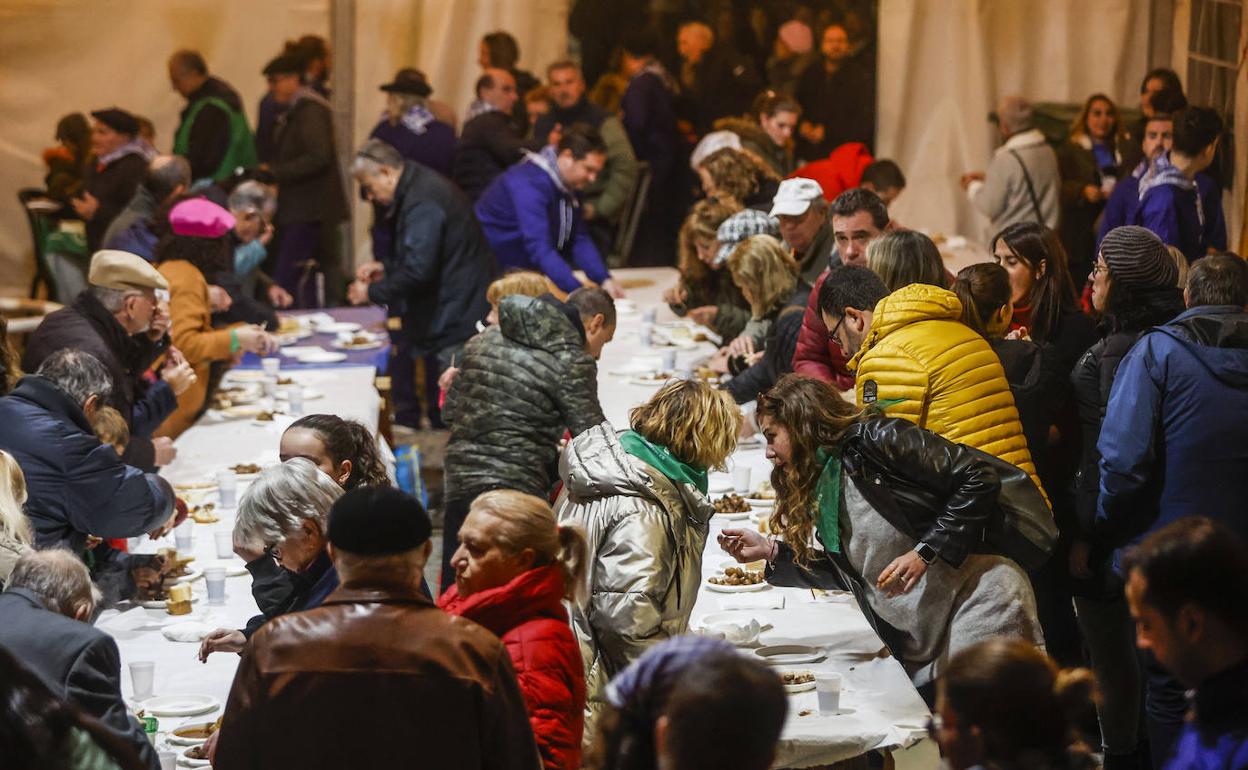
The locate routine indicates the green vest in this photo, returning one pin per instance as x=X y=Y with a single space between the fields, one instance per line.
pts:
x=241 y=151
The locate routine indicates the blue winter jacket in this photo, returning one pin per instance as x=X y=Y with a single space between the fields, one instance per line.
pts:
x=1124 y=201
x=1215 y=736
x=1173 y=442
x=75 y=485
x=534 y=223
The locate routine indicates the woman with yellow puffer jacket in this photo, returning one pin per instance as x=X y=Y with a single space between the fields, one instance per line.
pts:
x=942 y=375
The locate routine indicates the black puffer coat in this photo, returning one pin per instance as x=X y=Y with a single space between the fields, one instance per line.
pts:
x=520 y=385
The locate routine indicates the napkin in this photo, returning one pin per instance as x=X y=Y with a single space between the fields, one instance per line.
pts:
x=190 y=631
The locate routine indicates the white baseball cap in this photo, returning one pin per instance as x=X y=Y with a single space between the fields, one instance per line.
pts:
x=795 y=196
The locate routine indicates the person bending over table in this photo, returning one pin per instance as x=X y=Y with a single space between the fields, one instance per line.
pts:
x=513 y=569
x=283 y=515
x=895 y=512
x=198 y=246
x=641 y=497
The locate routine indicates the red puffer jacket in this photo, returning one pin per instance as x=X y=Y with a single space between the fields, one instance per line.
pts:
x=528 y=615
x=816 y=355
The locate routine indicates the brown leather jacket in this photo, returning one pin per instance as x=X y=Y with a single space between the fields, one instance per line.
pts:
x=376 y=677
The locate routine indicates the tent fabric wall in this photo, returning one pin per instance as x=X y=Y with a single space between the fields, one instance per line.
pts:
x=61 y=56
x=943 y=64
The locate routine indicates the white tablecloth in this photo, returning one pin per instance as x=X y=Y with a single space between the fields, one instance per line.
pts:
x=883 y=710
x=207 y=447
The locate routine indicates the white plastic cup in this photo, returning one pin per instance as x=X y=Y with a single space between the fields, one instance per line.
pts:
x=271 y=366
x=225 y=543
x=669 y=361
x=649 y=315
x=143 y=678
x=182 y=536
x=227 y=488
x=741 y=479
x=646 y=332
x=215 y=578
x=828 y=688
x=294 y=398
x=168 y=760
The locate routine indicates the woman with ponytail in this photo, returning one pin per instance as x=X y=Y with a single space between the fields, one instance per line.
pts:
x=513 y=569
x=344 y=449
x=1004 y=705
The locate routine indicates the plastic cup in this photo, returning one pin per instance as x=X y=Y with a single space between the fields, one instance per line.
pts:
x=227 y=488
x=741 y=479
x=669 y=361
x=828 y=688
x=143 y=678
x=294 y=398
x=646 y=333
x=649 y=315
x=225 y=543
x=168 y=760
x=271 y=366
x=215 y=578
x=182 y=535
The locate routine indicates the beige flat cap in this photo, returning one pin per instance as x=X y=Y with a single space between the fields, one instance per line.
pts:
x=112 y=269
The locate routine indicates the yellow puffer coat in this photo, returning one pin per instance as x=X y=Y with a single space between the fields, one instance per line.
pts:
x=947 y=377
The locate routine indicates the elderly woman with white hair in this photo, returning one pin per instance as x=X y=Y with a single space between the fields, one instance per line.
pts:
x=285 y=512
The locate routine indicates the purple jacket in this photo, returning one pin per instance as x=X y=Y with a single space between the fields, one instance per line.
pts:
x=1215 y=735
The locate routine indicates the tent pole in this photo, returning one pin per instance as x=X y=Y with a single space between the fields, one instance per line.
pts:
x=342 y=84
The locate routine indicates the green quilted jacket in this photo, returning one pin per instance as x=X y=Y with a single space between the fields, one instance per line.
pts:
x=520 y=385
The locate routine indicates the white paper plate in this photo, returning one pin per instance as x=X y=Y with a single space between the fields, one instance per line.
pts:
x=246 y=375
x=178 y=740
x=793 y=689
x=633 y=370
x=185 y=761
x=159 y=604
x=321 y=357
x=716 y=484
x=782 y=654
x=708 y=585
x=309 y=394
x=242 y=412
x=336 y=328
x=180 y=705
x=761 y=502
x=193 y=574
x=741 y=516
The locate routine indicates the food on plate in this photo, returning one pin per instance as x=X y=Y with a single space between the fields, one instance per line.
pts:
x=706 y=374
x=198 y=732
x=805 y=712
x=797 y=677
x=731 y=504
x=288 y=325
x=764 y=491
x=701 y=337
x=358 y=341
x=681 y=332
x=285 y=381
x=196 y=485
x=735 y=576
x=655 y=376
x=202 y=514
x=196 y=752
x=179 y=601
x=245 y=468
x=264 y=417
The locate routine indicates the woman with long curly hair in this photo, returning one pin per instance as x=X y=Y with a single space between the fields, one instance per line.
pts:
x=893 y=512
x=738 y=176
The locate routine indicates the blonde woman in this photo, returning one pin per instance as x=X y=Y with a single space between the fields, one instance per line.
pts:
x=410 y=124
x=15 y=532
x=641 y=498
x=767 y=275
x=706 y=292
x=904 y=257
x=513 y=569
x=738 y=177
x=1088 y=163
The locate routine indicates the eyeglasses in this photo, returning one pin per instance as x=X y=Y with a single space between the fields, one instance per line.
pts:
x=832 y=332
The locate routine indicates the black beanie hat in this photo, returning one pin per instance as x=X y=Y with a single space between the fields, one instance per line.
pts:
x=118 y=119
x=378 y=521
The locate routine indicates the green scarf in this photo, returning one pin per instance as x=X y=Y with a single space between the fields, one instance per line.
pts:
x=661 y=459
x=828 y=498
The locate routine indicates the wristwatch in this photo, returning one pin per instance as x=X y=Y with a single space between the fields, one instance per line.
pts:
x=925 y=552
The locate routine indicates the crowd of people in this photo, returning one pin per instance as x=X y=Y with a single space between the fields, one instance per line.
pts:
x=1027 y=474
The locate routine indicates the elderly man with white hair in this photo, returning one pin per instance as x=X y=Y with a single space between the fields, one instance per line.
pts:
x=45 y=622
x=1022 y=182
x=440 y=264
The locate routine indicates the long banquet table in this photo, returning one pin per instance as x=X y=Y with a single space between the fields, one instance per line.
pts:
x=881 y=709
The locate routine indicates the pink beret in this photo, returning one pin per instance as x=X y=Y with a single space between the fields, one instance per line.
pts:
x=200 y=218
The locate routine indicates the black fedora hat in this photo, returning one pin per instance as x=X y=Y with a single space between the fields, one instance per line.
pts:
x=408 y=81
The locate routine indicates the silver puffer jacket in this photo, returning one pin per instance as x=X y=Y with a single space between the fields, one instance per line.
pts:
x=646 y=535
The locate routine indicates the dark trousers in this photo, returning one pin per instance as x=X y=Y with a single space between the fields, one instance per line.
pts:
x=299 y=243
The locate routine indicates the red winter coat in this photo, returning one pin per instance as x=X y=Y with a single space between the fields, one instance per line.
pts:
x=816 y=355
x=528 y=615
x=839 y=171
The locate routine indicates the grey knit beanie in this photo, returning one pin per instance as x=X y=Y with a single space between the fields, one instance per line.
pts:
x=1137 y=257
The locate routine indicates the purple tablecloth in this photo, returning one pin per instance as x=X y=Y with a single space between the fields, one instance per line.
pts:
x=373 y=319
